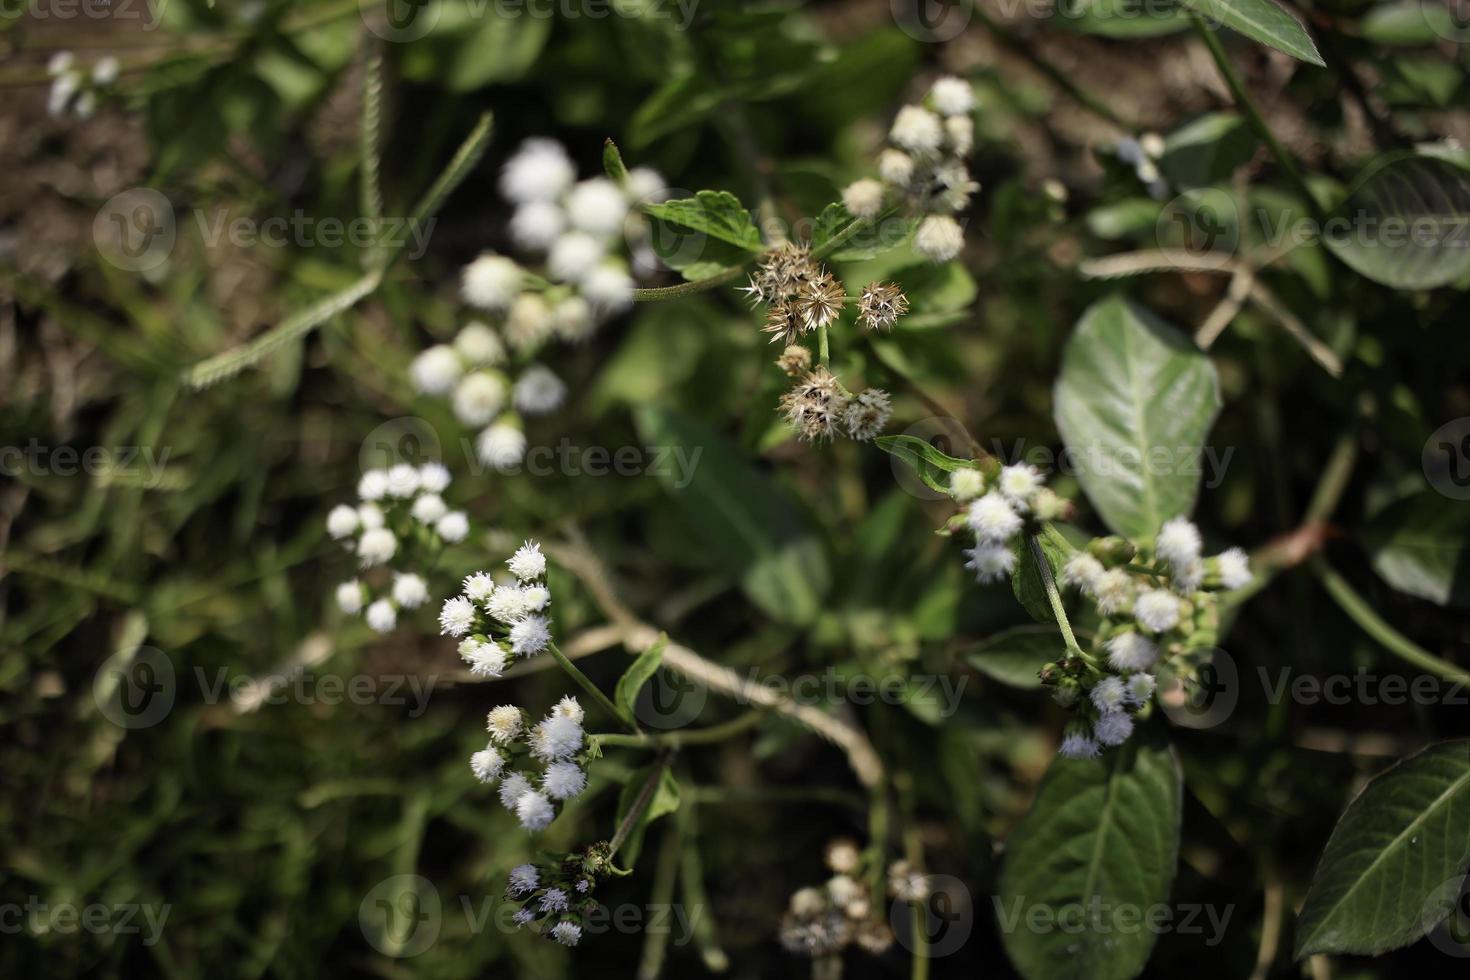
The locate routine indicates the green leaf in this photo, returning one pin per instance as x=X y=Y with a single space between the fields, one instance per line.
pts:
x=752 y=528
x=612 y=162
x=1128 y=217
x=1406 y=224
x=1405 y=835
x=665 y=801
x=1101 y=837
x=1207 y=150
x=1026 y=583
x=1421 y=545
x=1261 y=20
x=1411 y=24
x=927 y=461
x=1016 y=656
x=638 y=674
x=465 y=52
x=1134 y=404
x=718 y=214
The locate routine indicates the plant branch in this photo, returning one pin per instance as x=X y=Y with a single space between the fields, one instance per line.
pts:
x=592 y=689
x=727 y=274
x=1401 y=646
x=1252 y=112
x=635 y=812
x=1054 y=596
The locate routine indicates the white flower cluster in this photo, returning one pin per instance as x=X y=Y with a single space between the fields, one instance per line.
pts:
x=996 y=511
x=488 y=372
x=556 y=742
x=820 y=922
x=72 y=89
x=501 y=620
x=1142 y=155
x=401 y=515
x=924 y=168
x=1155 y=603
x=555 y=896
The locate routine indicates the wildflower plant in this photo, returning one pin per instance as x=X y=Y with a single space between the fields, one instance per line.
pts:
x=1132 y=299
x=587 y=241
x=396 y=533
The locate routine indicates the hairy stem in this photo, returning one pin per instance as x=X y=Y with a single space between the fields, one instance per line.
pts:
x=592 y=689
x=635 y=812
x=693 y=736
x=650 y=293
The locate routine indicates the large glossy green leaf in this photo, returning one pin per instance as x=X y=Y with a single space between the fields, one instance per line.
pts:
x=1406 y=225
x=1421 y=545
x=1134 y=403
x=1099 y=844
x=1398 y=842
x=1261 y=20
x=749 y=524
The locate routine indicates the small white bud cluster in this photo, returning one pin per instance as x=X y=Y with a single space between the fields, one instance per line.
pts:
x=556 y=896
x=580 y=229
x=924 y=168
x=556 y=742
x=996 y=511
x=1156 y=603
x=1143 y=155
x=75 y=91
x=401 y=518
x=821 y=922
x=499 y=621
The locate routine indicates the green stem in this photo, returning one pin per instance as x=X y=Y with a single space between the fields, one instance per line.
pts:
x=824 y=352
x=1375 y=626
x=592 y=689
x=1054 y=596
x=635 y=812
x=1252 y=111
x=689 y=288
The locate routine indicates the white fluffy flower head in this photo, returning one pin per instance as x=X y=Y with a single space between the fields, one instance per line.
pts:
x=478 y=398
x=1235 y=568
x=410 y=591
x=563 y=780
x=528 y=563
x=487 y=764
x=342 y=522
x=1178 y=543
x=952 y=96
x=491 y=282
x=1109 y=695
x=435 y=370
x=1131 y=651
x=504 y=723
x=597 y=206
x=966 y=483
x=502 y=446
x=939 y=238
x=539 y=171
x=534 y=811
x=376 y=547
x=381 y=616
x=529 y=636
x=453 y=526
x=538 y=391
x=917 y=130
x=863 y=198
x=990 y=562
x=456 y=617
x=1157 y=610
x=993 y=519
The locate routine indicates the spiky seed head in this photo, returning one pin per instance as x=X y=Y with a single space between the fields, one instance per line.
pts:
x=881 y=304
